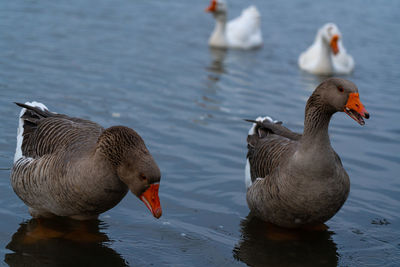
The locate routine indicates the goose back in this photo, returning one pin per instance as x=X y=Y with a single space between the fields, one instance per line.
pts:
x=45 y=132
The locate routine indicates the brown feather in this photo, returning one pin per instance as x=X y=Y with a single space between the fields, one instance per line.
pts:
x=70 y=165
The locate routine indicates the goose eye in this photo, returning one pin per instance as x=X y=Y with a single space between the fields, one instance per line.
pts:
x=143 y=177
x=340 y=89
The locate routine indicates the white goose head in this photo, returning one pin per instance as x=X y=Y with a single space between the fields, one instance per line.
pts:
x=218 y=8
x=330 y=35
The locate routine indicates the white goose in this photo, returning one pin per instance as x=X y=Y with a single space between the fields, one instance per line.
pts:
x=244 y=32
x=327 y=54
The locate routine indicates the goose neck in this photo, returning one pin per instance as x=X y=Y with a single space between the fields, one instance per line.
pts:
x=316 y=123
x=324 y=51
x=218 y=37
x=220 y=25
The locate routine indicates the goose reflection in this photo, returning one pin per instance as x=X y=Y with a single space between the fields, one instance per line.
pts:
x=61 y=242
x=263 y=244
x=209 y=100
x=217 y=64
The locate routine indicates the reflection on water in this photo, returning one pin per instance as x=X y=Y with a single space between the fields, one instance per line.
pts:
x=262 y=244
x=209 y=101
x=217 y=64
x=60 y=242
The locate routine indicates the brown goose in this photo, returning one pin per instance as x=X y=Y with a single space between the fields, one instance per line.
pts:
x=296 y=179
x=74 y=167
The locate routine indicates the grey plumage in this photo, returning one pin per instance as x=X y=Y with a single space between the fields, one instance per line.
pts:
x=304 y=181
x=73 y=167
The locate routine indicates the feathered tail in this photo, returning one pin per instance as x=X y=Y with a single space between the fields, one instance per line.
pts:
x=260 y=128
x=31 y=112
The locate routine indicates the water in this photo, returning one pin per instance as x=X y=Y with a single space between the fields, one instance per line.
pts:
x=146 y=65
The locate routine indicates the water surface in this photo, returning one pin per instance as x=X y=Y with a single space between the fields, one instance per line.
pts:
x=146 y=65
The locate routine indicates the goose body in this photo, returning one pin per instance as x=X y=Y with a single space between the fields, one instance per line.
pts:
x=243 y=32
x=73 y=167
x=298 y=179
x=327 y=55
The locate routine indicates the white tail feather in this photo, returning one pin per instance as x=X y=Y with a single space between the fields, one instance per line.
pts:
x=251 y=11
x=20 y=131
x=251 y=131
x=247 y=180
x=247 y=174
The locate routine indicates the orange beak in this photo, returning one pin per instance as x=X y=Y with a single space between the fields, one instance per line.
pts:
x=355 y=109
x=151 y=200
x=334 y=44
x=212 y=7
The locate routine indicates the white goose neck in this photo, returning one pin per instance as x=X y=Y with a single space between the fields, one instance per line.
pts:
x=218 y=37
x=324 y=63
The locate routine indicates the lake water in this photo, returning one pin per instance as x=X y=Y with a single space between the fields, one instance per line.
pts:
x=146 y=65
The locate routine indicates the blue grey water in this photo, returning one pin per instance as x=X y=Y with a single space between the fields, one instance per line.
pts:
x=146 y=65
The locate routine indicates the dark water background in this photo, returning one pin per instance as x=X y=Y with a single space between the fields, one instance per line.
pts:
x=146 y=65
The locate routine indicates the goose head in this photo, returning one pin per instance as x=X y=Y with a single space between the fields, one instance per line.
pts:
x=141 y=174
x=218 y=8
x=134 y=165
x=331 y=35
x=340 y=95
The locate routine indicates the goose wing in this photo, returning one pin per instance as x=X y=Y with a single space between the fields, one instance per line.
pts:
x=269 y=145
x=44 y=132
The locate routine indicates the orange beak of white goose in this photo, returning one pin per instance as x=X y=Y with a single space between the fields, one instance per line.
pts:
x=334 y=44
x=152 y=201
x=355 y=109
x=212 y=7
